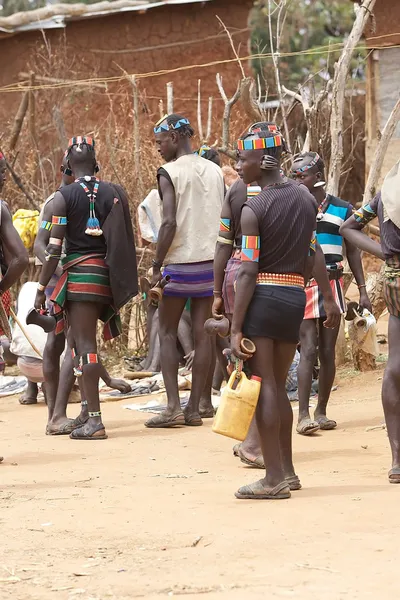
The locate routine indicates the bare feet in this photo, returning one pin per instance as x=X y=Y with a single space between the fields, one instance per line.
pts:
x=61 y=427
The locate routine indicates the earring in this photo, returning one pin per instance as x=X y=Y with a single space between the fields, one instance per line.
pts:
x=319 y=184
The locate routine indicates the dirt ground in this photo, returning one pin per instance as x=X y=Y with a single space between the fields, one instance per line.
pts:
x=151 y=514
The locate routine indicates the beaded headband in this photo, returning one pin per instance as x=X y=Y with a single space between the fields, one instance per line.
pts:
x=79 y=140
x=271 y=128
x=258 y=143
x=310 y=165
x=202 y=150
x=163 y=126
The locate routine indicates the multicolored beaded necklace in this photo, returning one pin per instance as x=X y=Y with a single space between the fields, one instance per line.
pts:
x=321 y=208
x=93 y=224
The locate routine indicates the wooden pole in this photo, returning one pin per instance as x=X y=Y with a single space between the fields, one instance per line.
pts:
x=209 y=118
x=18 y=121
x=136 y=153
x=338 y=95
x=199 y=121
x=380 y=152
x=170 y=97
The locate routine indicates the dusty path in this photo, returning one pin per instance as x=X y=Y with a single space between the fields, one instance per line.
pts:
x=102 y=520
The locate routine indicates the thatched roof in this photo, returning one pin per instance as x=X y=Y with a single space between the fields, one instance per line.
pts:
x=57 y=15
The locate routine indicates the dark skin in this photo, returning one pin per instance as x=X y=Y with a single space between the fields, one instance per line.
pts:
x=352 y=231
x=313 y=332
x=250 y=449
x=59 y=384
x=171 y=145
x=273 y=358
x=82 y=316
x=15 y=253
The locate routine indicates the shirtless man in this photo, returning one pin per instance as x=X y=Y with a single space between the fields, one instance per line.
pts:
x=100 y=273
x=12 y=250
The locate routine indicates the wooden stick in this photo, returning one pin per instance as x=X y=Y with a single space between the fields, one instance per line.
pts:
x=60 y=127
x=136 y=153
x=19 y=183
x=18 y=121
x=32 y=120
x=161 y=108
x=170 y=97
x=275 y=61
x=338 y=95
x=199 y=123
x=209 y=118
x=227 y=114
x=18 y=322
x=138 y=374
x=379 y=155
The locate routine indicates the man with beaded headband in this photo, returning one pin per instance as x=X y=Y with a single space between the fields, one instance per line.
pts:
x=386 y=207
x=59 y=384
x=308 y=169
x=277 y=232
x=226 y=266
x=100 y=273
x=191 y=191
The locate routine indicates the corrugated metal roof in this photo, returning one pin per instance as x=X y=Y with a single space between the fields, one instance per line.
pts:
x=57 y=16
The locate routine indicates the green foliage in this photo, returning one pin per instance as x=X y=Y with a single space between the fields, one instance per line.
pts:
x=309 y=24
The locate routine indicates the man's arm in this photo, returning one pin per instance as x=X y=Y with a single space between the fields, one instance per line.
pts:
x=223 y=252
x=352 y=232
x=168 y=226
x=53 y=249
x=15 y=253
x=246 y=280
x=355 y=264
x=321 y=277
x=43 y=234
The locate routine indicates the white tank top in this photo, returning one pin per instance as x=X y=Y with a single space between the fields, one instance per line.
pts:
x=199 y=193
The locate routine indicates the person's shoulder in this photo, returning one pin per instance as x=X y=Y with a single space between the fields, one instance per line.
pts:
x=336 y=201
x=238 y=186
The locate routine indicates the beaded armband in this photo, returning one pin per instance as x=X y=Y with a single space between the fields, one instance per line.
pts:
x=250 y=248
x=364 y=215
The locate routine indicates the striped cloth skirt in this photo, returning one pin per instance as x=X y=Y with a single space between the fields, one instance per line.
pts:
x=315 y=301
x=190 y=280
x=391 y=288
x=86 y=279
x=229 y=285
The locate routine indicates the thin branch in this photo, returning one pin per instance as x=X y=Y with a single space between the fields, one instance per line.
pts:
x=338 y=95
x=227 y=112
x=209 y=118
x=170 y=97
x=199 y=122
x=275 y=61
x=233 y=46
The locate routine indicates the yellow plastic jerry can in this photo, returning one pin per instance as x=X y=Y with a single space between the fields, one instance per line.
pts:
x=237 y=407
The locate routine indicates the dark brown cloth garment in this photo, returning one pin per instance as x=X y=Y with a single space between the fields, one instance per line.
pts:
x=286 y=214
x=121 y=252
x=390 y=233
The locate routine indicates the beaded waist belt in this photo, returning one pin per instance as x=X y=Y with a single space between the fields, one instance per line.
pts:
x=287 y=279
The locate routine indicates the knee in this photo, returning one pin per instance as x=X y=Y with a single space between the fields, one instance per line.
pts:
x=308 y=351
x=327 y=355
x=391 y=385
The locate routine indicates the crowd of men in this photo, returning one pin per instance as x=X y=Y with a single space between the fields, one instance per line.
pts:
x=265 y=251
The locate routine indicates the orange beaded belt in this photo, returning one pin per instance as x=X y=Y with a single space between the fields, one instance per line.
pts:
x=287 y=279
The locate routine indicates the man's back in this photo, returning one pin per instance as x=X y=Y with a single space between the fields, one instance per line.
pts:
x=199 y=194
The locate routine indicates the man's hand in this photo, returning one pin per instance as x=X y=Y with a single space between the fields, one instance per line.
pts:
x=364 y=300
x=156 y=277
x=236 y=338
x=218 y=307
x=332 y=314
x=40 y=300
x=189 y=360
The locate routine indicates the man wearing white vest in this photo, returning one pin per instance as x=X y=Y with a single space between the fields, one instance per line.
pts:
x=191 y=189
